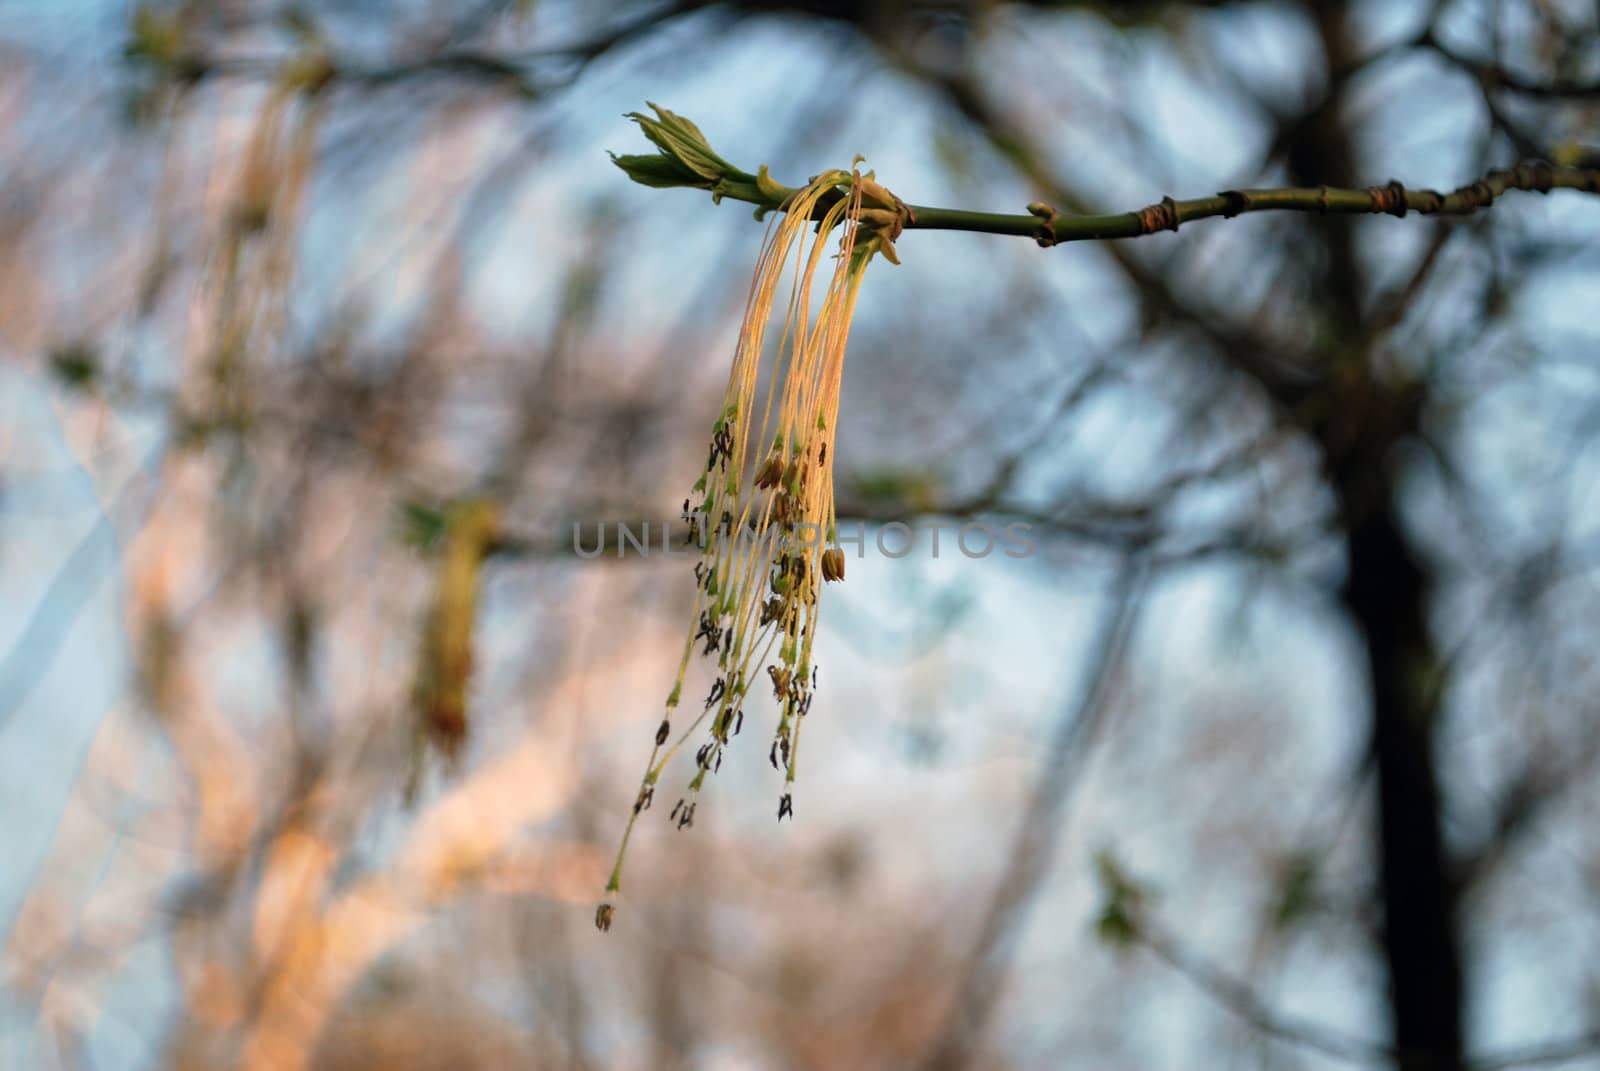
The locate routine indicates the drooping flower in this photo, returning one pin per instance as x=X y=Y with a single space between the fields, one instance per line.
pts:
x=764 y=503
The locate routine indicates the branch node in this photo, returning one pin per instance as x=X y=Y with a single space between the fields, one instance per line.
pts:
x=1046 y=235
x=1158 y=217
x=1536 y=175
x=1171 y=208
x=1235 y=202
x=1322 y=200
x=1390 y=198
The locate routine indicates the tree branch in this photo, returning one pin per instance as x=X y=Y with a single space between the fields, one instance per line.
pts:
x=686 y=159
x=1236 y=995
x=1032 y=850
x=1494 y=75
x=1239 y=998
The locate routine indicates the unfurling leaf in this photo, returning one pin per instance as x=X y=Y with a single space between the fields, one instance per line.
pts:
x=681 y=141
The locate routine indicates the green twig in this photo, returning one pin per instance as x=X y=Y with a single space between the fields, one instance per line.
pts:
x=686 y=160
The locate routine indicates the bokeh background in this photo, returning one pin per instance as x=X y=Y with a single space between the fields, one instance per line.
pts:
x=1278 y=752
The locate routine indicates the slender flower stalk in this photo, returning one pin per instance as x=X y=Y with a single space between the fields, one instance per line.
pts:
x=763 y=508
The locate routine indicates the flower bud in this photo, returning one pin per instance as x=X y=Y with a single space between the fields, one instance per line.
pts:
x=871 y=191
x=880 y=217
x=771 y=472
x=780 y=680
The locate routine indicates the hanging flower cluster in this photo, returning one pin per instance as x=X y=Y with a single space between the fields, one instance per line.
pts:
x=763 y=508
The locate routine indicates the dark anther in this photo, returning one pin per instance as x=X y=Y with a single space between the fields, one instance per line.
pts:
x=785 y=807
x=772 y=756
x=718 y=768
x=709 y=631
x=780 y=681
x=687 y=818
x=717 y=690
x=646 y=795
x=1234 y=202
x=721 y=447
x=702 y=758
x=738 y=722
x=602 y=917
x=771 y=610
x=676 y=807
x=663 y=731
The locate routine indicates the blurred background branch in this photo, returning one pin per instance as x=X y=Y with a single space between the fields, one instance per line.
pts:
x=322 y=327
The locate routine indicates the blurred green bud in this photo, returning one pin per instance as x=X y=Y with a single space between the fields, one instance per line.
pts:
x=310 y=71
x=76 y=366
x=155 y=35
